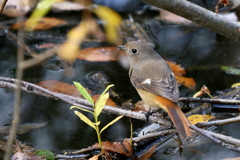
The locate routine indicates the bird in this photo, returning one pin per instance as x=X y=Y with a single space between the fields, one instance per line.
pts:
x=155 y=83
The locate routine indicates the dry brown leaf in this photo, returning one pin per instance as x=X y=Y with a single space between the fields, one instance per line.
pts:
x=188 y=82
x=122 y=148
x=224 y=2
x=150 y=151
x=203 y=90
x=177 y=69
x=44 y=24
x=100 y=54
x=65 y=88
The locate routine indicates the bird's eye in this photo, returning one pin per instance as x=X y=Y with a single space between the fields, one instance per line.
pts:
x=134 y=50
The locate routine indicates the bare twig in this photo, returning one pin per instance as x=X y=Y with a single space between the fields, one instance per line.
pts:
x=17 y=95
x=224 y=138
x=152 y=135
x=39 y=58
x=200 y=16
x=218 y=122
x=3 y=5
x=202 y=132
x=210 y=100
x=215 y=138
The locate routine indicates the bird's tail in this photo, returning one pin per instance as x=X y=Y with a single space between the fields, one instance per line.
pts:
x=179 y=120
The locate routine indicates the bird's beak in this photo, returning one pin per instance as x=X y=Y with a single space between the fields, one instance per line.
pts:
x=121 y=48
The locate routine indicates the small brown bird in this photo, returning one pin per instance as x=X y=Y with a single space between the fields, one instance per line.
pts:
x=155 y=82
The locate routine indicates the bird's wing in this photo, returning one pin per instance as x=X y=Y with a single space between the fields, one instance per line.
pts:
x=167 y=88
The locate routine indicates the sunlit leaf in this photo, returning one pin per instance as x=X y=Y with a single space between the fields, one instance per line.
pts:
x=85 y=119
x=69 y=49
x=194 y=119
x=109 y=86
x=43 y=7
x=231 y=70
x=112 y=21
x=100 y=104
x=81 y=109
x=110 y=123
x=84 y=92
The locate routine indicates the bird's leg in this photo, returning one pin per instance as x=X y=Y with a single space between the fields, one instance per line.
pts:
x=149 y=113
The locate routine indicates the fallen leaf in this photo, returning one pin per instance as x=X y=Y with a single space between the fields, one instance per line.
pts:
x=178 y=72
x=194 y=119
x=148 y=153
x=224 y=2
x=65 y=88
x=177 y=69
x=44 y=24
x=188 y=82
x=123 y=147
x=100 y=54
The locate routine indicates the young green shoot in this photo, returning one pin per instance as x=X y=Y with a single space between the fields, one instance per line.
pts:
x=98 y=107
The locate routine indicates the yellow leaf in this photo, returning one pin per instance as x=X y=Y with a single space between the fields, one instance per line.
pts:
x=112 y=21
x=194 y=119
x=235 y=85
x=109 y=86
x=85 y=119
x=100 y=104
x=69 y=49
x=110 y=123
x=81 y=109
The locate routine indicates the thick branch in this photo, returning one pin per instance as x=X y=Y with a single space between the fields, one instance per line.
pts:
x=200 y=16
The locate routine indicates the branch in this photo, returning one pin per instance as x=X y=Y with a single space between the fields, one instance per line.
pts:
x=35 y=89
x=200 y=16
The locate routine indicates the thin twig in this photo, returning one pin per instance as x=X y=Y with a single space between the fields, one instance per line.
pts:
x=17 y=95
x=152 y=135
x=216 y=136
x=202 y=132
x=3 y=5
x=210 y=100
x=218 y=122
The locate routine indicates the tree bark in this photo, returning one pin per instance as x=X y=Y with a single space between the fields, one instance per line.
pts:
x=200 y=16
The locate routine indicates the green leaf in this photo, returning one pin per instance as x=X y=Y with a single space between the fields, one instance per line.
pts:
x=84 y=92
x=110 y=123
x=85 y=119
x=81 y=109
x=43 y=7
x=100 y=104
x=231 y=70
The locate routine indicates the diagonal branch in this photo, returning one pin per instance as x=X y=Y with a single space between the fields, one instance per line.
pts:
x=200 y=16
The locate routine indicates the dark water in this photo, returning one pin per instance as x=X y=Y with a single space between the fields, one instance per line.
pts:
x=200 y=51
